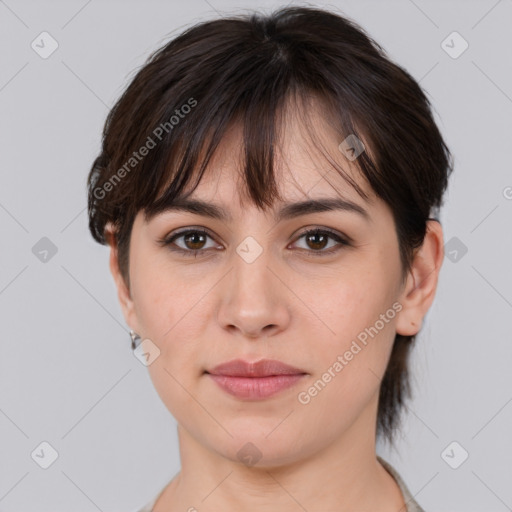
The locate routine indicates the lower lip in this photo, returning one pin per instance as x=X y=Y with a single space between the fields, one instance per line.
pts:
x=256 y=387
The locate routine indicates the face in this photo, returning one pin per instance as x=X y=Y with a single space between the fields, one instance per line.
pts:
x=328 y=303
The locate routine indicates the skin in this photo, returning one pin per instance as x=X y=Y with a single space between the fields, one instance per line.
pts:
x=299 y=309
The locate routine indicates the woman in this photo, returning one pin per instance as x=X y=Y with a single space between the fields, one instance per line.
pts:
x=269 y=187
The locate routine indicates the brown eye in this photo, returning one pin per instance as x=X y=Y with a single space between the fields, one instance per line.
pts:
x=316 y=240
x=192 y=242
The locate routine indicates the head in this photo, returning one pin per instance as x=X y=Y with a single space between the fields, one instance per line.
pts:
x=217 y=134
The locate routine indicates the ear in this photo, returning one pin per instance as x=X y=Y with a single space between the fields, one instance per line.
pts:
x=123 y=291
x=420 y=287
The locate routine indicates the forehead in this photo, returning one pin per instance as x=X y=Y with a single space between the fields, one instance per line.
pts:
x=307 y=164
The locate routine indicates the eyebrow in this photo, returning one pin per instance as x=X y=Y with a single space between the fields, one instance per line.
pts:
x=286 y=212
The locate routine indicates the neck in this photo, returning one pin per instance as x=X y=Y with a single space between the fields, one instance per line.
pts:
x=344 y=476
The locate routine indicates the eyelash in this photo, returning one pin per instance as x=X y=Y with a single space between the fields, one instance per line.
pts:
x=167 y=241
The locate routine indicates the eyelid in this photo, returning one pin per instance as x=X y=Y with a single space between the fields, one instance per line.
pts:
x=334 y=233
x=169 y=239
x=342 y=241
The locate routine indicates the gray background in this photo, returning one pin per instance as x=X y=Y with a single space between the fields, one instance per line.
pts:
x=67 y=373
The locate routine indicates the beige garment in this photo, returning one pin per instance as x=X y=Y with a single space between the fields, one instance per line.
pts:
x=410 y=502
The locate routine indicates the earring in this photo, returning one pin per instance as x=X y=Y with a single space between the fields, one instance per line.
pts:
x=135 y=339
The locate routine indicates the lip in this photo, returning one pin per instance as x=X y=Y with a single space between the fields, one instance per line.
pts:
x=261 y=368
x=256 y=380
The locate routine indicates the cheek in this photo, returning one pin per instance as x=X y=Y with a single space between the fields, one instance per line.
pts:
x=163 y=298
x=173 y=307
x=357 y=321
x=346 y=303
x=170 y=311
x=348 y=368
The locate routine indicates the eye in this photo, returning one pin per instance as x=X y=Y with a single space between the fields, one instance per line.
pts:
x=317 y=239
x=193 y=241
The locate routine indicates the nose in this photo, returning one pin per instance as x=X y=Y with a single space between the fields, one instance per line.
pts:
x=253 y=300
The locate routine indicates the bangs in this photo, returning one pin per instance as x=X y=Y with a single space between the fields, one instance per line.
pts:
x=260 y=117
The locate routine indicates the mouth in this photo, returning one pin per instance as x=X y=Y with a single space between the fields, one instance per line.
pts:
x=257 y=380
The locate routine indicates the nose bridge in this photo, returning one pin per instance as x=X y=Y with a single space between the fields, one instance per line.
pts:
x=251 y=275
x=253 y=301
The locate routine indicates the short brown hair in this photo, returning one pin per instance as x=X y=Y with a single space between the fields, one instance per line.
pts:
x=244 y=68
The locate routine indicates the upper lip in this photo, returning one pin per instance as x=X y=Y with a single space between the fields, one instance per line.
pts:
x=262 y=368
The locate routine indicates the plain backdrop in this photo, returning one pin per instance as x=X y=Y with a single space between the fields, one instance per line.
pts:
x=67 y=373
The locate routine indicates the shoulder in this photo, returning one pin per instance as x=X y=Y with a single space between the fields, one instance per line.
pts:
x=412 y=505
x=148 y=507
